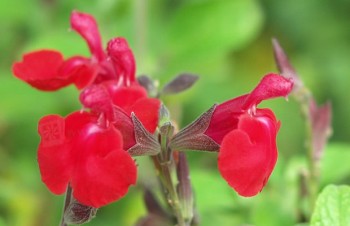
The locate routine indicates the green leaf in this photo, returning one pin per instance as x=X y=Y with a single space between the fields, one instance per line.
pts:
x=332 y=207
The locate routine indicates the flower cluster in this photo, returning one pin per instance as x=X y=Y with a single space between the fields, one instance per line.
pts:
x=91 y=150
x=88 y=149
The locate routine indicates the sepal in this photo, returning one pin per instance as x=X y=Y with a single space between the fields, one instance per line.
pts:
x=146 y=143
x=77 y=213
x=192 y=137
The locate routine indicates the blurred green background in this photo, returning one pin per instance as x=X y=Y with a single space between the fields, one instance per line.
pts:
x=226 y=42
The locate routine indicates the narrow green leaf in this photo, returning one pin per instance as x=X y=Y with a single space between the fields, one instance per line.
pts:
x=332 y=207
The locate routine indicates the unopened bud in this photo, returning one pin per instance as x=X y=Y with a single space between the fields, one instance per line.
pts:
x=164 y=115
x=320 y=117
x=283 y=65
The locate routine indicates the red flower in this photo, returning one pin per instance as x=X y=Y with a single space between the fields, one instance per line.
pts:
x=247 y=136
x=47 y=70
x=84 y=152
x=88 y=150
x=118 y=102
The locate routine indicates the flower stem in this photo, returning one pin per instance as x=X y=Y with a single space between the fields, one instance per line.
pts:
x=165 y=165
x=304 y=98
x=166 y=171
x=67 y=200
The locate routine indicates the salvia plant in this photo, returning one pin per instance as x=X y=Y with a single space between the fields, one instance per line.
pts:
x=88 y=154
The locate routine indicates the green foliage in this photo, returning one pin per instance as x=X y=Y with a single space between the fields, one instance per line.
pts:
x=332 y=207
x=211 y=28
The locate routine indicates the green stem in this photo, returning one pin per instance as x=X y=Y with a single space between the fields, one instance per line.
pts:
x=172 y=196
x=304 y=99
x=165 y=164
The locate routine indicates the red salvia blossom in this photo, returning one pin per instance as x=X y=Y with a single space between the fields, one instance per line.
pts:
x=88 y=150
x=247 y=136
x=81 y=150
x=118 y=102
x=47 y=70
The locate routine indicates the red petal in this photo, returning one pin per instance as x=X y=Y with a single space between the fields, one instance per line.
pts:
x=248 y=154
x=122 y=58
x=76 y=121
x=125 y=97
x=97 y=98
x=85 y=75
x=147 y=111
x=225 y=118
x=270 y=86
x=69 y=66
x=100 y=181
x=53 y=154
x=40 y=69
x=104 y=171
x=81 y=70
x=124 y=124
x=95 y=140
x=86 y=26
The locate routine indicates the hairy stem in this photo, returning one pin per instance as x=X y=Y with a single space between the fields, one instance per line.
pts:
x=172 y=196
x=165 y=165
